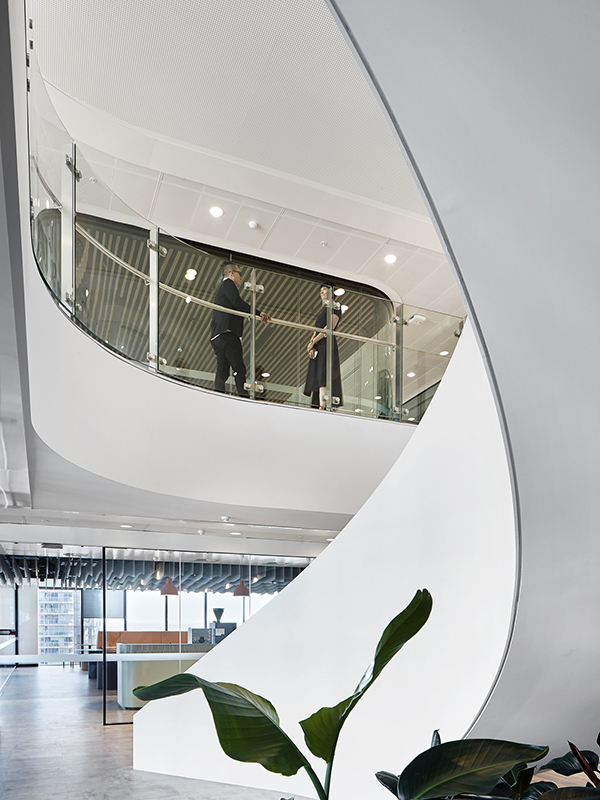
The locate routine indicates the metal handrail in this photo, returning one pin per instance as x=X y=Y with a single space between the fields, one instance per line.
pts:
x=207 y=304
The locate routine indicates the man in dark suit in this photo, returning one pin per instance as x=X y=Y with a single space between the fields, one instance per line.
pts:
x=226 y=329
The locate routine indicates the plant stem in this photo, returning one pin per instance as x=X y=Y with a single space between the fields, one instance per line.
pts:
x=328 y=776
x=315 y=780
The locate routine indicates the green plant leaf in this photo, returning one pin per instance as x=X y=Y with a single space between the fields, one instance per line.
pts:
x=572 y=793
x=389 y=781
x=512 y=774
x=248 y=728
x=568 y=764
x=523 y=780
x=435 y=738
x=535 y=790
x=322 y=729
x=473 y=766
x=177 y=684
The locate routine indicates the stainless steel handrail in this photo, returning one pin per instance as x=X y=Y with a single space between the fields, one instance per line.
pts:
x=207 y=304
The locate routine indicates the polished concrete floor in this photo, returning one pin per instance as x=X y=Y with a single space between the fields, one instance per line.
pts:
x=53 y=746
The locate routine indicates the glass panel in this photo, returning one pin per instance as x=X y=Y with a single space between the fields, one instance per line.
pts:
x=112 y=267
x=429 y=340
x=367 y=369
x=51 y=181
x=184 y=335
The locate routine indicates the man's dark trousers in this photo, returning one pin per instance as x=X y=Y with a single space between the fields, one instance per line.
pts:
x=228 y=349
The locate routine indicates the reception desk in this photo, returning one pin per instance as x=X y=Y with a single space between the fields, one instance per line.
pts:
x=144 y=664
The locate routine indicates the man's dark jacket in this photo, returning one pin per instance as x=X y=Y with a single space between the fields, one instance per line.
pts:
x=228 y=296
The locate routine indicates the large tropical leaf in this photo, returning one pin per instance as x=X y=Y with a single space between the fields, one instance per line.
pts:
x=248 y=728
x=537 y=789
x=471 y=766
x=568 y=764
x=572 y=793
x=322 y=729
x=388 y=780
x=247 y=724
x=177 y=684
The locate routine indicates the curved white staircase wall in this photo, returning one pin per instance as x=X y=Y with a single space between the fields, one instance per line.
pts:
x=497 y=105
x=441 y=519
x=103 y=414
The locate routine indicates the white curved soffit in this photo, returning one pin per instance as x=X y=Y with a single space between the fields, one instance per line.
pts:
x=496 y=104
x=441 y=519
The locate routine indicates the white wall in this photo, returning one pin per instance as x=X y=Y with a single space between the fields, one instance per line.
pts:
x=497 y=102
x=441 y=519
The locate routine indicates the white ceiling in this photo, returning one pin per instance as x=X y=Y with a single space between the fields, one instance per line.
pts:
x=269 y=81
x=257 y=107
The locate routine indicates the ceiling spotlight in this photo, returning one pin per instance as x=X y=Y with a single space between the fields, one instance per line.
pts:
x=216 y=211
x=410 y=374
x=225 y=519
x=323 y=244
x=330 y=540
x=444 y=353
x=339 y=292
x=87 y=292
x=125 y=526
x=265 y=375
x=377 y=397
x=188 y=299
x=344 y=309
x=253 y=224
x=411 y=419
x=390 y=258
x=416 y=319
x=200 y=532
x=191 y=274
x=235 y=533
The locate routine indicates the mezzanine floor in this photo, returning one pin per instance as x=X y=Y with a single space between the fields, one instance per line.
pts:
x=53 y=747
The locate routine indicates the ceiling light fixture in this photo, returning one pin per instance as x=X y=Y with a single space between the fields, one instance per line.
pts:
x=390 y=258
x=125 y=526
x=377 y=397
x=188 y=299
x=241 y=590
x=235 y=533
x=200 y=532
x=410 y=374
x=169 y=588
x=216 y=211
x=265 y=375
x=191 y=274
x=225 y=519
x=344 y=309
x=339 y=292
x=330 y=540
x=444 y=353
x=253 y=224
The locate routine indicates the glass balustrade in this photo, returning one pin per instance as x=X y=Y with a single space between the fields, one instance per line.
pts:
x=149 y=296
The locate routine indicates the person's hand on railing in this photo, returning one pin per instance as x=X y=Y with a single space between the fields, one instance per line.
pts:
x=265 y=317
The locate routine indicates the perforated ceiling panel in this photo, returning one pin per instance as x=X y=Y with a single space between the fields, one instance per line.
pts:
x=271 y=82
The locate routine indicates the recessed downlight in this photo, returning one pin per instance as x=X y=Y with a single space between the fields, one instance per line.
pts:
x=410 y=374
x=444 y=353
x=125 y=526
x=411 y=419
x=330 y=540
x=234 y=533
x=377 y=397
x=191 y=274
x=339 y=292
x=216 y=211
x=188 y=299
x=390 y=258
x=265 y=374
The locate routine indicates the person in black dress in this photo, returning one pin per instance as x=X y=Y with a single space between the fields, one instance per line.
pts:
x=316 y=377
x=226 y=329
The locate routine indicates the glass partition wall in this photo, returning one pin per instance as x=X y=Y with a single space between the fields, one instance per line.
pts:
x=148 y=296
x=115 y=619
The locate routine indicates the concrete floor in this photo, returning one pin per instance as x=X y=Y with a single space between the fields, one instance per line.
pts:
x=53 y=746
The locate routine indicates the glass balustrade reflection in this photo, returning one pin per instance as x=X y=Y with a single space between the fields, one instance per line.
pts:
x=148 y=296
x=429 y=340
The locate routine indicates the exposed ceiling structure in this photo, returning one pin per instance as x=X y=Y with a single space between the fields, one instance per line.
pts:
x=259 y=108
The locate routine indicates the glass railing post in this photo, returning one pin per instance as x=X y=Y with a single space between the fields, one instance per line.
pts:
x=153 y=254
x=67 y=223
x=252 y=380
x=398 y=366
x=329 y=349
